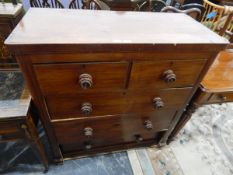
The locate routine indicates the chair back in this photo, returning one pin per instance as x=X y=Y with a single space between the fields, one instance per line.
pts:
x=213 y=15
x=88 y=4
x=193 y=12
x=193 y=5
x=152 y=5
x=227 y=29
x=46 y=3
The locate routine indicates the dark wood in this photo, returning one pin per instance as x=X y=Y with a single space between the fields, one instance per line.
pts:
x=123 y=129
x=9 y=16
x=16 y=122
x=123 y=5
x=105 y=76
x=143 y=73
x=136 y=78
x=113 y=103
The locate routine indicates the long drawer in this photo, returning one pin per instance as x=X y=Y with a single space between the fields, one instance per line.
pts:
x=98 y=104
x=105 y=131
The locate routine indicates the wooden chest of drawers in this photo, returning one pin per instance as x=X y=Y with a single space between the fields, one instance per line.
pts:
x=106 y=81
x=9 y=16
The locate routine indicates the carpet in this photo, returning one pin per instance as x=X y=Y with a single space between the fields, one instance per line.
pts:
x=204 y=146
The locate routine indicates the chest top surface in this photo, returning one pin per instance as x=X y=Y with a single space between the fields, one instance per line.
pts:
x=10 y=10
x=63 y=26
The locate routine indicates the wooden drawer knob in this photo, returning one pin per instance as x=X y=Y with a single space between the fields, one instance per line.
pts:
x=88 y=131
x=158 y=103
x=85 y=81
x=138 y=138
x=169 y=76
x=88 y=145
x=222 y=98
x=86 y=108
x=148 y=125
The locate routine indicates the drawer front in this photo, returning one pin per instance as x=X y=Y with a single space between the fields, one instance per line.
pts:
x=9 y=127
x=165 y=74
x=73 y=78
x=107 y=131
x=87 y=105
x=98 y=104
x=221 y=97
x=146 y=100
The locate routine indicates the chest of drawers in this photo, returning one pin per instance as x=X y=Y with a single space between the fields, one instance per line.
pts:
x=106 y=81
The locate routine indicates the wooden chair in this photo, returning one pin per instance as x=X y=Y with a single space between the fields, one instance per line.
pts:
x=46 y=3
x=193 y=5
x=16 y=117
x=227 y=29
x=193 y=12
x=213 y=14
x=88 y=4
x=152 y=5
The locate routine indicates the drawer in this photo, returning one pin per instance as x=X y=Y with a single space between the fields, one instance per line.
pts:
x=165 y=74
x=106 y=131
x=8 y=127
x=148 y=100
x=220 y=97
x=72 y=78
x=87 y=104
x=99 y=104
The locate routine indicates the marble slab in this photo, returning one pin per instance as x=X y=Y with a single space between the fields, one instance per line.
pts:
x=14 y=97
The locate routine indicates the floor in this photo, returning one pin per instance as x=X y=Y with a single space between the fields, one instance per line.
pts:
x=204 y=146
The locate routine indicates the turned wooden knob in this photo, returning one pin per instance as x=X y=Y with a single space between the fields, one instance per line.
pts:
x=169 y=76
x=88 y=145
x=148 y=124
x=86 y=108
x=138 y=138
x=88 y=131
x=85 y=81
x=222 y=97
x=158 y=103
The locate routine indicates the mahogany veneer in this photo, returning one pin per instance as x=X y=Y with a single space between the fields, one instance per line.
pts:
x=107 y=80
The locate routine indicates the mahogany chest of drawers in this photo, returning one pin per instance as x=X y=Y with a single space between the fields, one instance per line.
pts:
x=107 y=80
x=10 y=15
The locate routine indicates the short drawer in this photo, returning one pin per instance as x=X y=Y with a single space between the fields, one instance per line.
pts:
x=80 y=77
x=85 y=105
x=220 y=97
x=165 y=74
x=153 y=100
x=106 y=131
